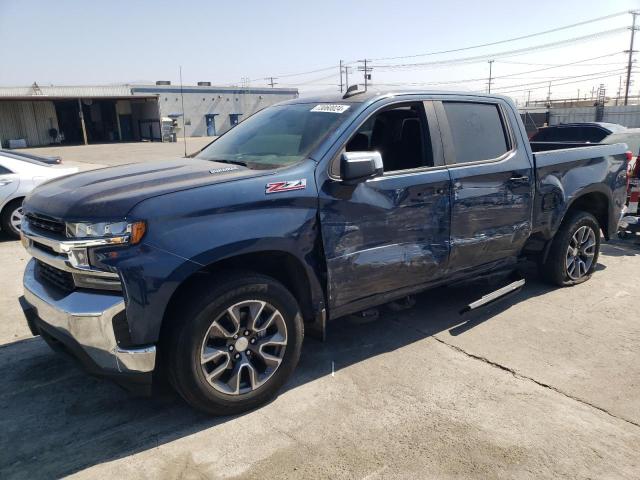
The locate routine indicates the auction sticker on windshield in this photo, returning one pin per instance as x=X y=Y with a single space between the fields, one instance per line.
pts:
x=330 y=108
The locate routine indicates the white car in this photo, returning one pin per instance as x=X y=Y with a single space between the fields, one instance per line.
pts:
x=18 y=176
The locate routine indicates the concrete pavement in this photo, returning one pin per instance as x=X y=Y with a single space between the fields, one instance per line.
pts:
x=544 y=384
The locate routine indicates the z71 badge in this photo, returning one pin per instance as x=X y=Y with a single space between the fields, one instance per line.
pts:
x=286 y=186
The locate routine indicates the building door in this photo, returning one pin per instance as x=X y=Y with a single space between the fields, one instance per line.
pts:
x=234 y=118
x=210 y=121
x=126 y=128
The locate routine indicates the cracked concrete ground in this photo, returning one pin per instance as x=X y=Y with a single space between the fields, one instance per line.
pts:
x=544 y=384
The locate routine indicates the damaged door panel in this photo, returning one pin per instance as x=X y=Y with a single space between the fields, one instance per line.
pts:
x=492 y=183
x=391 y=232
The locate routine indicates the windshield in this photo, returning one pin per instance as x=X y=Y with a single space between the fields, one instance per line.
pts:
x=277 y=136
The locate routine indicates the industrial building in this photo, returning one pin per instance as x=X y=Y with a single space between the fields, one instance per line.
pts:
x=44 y=115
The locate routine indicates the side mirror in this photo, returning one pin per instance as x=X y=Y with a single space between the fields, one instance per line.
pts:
x=358 y=166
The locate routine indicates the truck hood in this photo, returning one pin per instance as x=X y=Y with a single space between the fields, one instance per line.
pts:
x=110 y=193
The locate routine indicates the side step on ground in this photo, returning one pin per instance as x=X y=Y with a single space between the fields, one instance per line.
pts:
x=495 y=295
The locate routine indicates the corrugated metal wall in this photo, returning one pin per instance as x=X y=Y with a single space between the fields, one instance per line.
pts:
x=572 y=115
x=28 y=120
x=629 y=115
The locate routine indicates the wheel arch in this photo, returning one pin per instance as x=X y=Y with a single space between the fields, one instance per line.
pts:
x=281 y=265
x=11 y=199
x=597 y=204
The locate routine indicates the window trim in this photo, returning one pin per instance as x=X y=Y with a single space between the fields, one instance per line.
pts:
x=433 y=130
x=447 y=137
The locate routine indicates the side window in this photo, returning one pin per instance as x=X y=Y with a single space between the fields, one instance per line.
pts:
x=4 y=171
x=400 y=134
x=477 y=131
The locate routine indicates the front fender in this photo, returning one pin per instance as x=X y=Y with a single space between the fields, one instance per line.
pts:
x=190 y=230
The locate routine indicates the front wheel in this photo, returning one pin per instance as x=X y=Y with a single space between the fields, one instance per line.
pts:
x=574 y=251
x=11 y=218
x=236 y=345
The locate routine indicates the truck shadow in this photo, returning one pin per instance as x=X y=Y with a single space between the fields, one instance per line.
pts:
x=56 y=420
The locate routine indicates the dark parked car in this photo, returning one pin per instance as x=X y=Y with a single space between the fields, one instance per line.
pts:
x=208 y=270
x=590 y=132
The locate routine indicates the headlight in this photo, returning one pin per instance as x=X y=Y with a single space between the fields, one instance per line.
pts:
x=116 y=232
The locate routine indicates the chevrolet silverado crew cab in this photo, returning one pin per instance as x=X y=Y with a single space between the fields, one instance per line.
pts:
x=207 y=270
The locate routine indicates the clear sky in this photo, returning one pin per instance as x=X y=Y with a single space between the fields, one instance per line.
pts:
x=75 y=42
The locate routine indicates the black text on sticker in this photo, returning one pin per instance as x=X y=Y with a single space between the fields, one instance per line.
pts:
x=286 y=186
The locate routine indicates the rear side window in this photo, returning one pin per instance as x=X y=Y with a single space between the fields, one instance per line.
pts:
x=477 y=131
x=4 y=171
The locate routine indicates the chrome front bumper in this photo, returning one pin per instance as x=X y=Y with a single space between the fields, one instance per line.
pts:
x=84 y=318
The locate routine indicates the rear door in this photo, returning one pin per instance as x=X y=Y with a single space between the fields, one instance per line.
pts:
x=390 y=233
x=492 y=181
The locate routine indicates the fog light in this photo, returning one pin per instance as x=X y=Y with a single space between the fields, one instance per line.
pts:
x=79 y=257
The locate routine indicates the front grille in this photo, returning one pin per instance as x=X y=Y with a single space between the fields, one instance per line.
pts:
x=50 y=225
x=44 y=248
x=61 y=279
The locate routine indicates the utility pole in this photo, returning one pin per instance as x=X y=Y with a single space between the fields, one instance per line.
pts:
x=271 y=81
x=490 y=65
x=528 y=97
x=549 y=94
x=184 y=120
x=591 y=93
x=367 y=72
x=619 y=89
x=365 y=75
x=633 y=32
x=346 y=76
x=340 y=76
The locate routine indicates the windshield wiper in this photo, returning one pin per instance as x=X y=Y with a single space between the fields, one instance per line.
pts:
x=233 y=162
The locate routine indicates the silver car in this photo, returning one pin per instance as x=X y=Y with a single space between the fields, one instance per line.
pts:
x=18 y=176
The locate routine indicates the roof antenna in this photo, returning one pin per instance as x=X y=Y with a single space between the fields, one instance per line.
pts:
x=354 y=89
x=184 y=120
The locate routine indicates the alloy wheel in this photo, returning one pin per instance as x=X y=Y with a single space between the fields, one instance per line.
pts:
x=16 y=219
x=243 y=347
x=581 y=252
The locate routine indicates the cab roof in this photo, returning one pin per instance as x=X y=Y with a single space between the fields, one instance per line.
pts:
x=372 y=94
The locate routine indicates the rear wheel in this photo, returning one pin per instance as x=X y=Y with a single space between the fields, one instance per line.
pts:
x=11 y=218
x=574 y=251
x=237 y=346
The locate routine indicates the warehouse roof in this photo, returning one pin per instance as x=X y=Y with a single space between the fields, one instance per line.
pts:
x=37 y=92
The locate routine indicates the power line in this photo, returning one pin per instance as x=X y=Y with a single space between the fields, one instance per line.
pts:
x=531 y=35
x=617 y=71
x=470 y=80
x=507 y=53
x=555 y=84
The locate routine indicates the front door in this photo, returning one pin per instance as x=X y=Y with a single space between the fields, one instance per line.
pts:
x=492 y=182
x=389 y=234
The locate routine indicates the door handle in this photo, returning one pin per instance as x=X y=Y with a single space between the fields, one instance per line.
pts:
x=517 y=178
x=5 y=182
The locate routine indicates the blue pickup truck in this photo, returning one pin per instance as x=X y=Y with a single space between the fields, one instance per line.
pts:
x=206 y=271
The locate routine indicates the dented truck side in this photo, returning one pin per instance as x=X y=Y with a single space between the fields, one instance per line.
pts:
x=309 y=244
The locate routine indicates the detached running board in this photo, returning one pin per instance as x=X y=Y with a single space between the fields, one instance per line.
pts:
x=493 y=296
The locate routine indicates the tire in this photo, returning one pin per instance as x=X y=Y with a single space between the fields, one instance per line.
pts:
x=11 y=212
x=225 y=385
x=559 y=268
